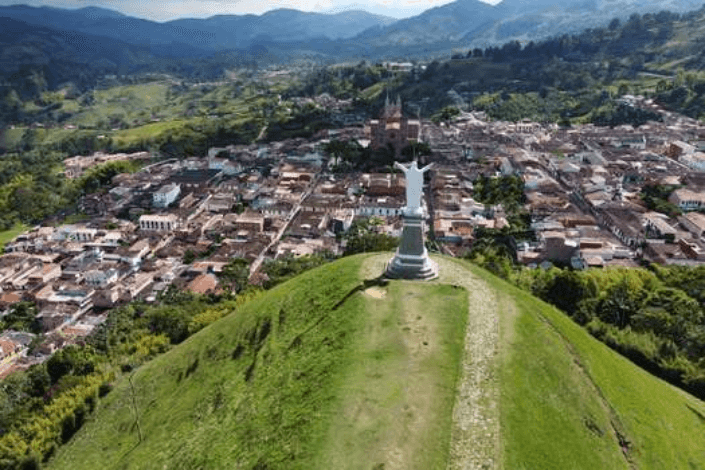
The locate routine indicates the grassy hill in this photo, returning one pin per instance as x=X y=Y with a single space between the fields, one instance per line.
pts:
x=336 y=370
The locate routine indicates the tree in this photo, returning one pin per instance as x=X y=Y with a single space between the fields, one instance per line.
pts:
x=70 y=360
x=362 y=238
x=620 y=304
x=566 y=290
x=236 y=273
x=446 y=114
x=189 y=256
x=22 y=317
x=415 y=150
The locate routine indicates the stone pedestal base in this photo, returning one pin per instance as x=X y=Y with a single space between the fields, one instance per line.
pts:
x=411 y=260
x=403 y=267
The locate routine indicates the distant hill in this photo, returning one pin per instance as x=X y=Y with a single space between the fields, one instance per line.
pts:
x=53 y=57
x=216 y=33
x=334 y=369
x=472 y=23
x=526 y=20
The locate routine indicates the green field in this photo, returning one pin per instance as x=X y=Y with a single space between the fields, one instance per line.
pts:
x=397 y=394
x=328 y=371
x=570 y=401
x=10 y=138
x=9 y=235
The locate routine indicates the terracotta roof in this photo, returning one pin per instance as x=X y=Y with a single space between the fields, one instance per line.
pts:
x=203 y=284
x=10 y=298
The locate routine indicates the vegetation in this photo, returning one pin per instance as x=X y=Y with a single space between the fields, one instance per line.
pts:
x=289 y=266
x=653 y=317
x=495 y=249
x=363 y=238
x=264 y=378
x=11 y=234
x=656 y=198
x=21 y=317
x=42 y=408
x=166 y=119
x=566 y=390
x=288 y=382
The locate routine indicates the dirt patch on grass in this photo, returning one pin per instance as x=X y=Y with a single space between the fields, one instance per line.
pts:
x=376 y=292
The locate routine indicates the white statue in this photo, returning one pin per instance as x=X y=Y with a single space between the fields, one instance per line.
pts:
x=414 y=184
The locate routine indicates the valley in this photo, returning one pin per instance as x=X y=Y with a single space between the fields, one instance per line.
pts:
x=195 y=217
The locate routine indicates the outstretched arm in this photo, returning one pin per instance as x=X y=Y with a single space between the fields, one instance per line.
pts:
x=401 y=167
x=426 y=168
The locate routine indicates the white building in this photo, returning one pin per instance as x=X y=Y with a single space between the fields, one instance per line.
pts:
x=100 y=278
x=159 y=223
x=166 y=195
x=687 y=200
x=695 y=160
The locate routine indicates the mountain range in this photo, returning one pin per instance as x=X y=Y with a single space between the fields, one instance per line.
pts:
x=463 y=23
x=46 y=47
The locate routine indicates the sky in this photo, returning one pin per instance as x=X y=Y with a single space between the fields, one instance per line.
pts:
x=164 y=10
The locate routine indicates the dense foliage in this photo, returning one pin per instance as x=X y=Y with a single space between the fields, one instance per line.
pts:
x=652 y=316
x=656 y=198
x=364 y=237
x=45 y=405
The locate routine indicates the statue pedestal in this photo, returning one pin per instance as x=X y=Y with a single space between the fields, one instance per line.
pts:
x=411 y=260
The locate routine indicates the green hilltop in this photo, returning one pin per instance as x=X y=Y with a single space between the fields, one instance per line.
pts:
x=337 y=369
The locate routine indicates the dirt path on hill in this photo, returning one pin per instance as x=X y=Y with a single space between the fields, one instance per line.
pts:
x=475 y=435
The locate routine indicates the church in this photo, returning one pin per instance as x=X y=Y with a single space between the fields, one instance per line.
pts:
x=392 y=128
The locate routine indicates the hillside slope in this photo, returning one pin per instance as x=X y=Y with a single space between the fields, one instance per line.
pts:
x=330 y=371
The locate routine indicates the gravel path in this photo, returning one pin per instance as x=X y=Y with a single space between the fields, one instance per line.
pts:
x=475 y=436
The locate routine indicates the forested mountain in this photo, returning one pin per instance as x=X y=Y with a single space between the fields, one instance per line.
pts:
x=350 y=34
x=220 y=32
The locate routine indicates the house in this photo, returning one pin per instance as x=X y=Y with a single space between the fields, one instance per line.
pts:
x=694 y=222
x=635 y=142
x=657 y=224
x=48 y=272
x=387 y=206
x=100 y=277
x=159 y=223
x=9 y=298
x=687 y=200
x=695 y=160
x=221 y=202
x=250 y=221
x=559 y=247
x=203 y=284
x=196 y=179
x=165 y=195
x=678 y=148
x=8 y=349
x=383 y=184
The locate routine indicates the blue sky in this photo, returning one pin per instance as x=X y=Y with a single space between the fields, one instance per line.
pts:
x=164 y=10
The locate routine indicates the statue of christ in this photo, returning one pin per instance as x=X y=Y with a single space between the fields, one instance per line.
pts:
x=414 y=183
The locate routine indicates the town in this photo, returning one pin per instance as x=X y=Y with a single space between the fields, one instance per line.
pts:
x=180 y=222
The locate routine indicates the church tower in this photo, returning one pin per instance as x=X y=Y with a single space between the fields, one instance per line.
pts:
x=392 y=128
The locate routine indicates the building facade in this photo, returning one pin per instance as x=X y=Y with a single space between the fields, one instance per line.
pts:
x=392 y=128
